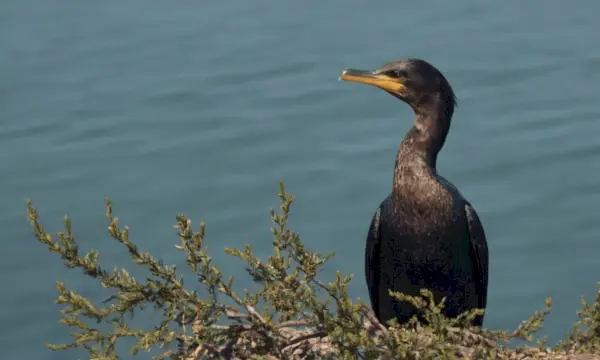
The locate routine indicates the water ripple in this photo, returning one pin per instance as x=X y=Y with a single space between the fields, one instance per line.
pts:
x=202 y=109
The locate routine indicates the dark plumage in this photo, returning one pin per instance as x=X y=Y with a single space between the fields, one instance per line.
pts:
x=424 y=234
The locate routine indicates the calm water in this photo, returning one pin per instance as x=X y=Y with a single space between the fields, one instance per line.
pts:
x=202 y=109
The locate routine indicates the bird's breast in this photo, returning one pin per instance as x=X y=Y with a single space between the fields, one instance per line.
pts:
x=426 y=211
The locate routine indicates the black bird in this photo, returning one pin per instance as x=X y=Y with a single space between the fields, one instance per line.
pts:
x=425 y=234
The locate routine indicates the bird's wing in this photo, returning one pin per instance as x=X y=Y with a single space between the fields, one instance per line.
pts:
x=479 y=255
x=372 y=259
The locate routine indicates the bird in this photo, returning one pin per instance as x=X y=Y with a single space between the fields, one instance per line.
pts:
x=424 y=234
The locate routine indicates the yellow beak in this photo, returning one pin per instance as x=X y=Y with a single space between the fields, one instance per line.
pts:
x=372 y=78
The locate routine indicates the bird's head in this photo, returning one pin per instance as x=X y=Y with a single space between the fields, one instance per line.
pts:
x=414 y=81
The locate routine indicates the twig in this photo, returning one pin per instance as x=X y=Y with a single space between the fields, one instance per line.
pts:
x=321 y=285
x=252 y=311
x=318 y=334
x=293 y=323
x=198 y=352
x=369 y=314
x=234 y=314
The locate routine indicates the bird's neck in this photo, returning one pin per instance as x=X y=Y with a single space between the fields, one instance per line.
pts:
x=417 y=156
x=426 y=138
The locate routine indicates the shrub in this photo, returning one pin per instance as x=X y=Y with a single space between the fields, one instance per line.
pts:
x=293 y=316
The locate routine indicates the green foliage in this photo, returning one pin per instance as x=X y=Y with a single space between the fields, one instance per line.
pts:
x=299 y=316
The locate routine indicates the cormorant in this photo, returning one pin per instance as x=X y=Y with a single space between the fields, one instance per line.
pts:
x=425 y=234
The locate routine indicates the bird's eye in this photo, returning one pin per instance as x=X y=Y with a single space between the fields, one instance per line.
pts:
x=396 y=73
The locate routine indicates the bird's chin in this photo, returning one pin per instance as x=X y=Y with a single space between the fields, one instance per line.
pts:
x=396 y=95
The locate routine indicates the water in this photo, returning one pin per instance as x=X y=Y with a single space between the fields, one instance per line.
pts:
x=203 y=108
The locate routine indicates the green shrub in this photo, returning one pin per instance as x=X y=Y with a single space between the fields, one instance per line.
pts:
x=293 y=315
